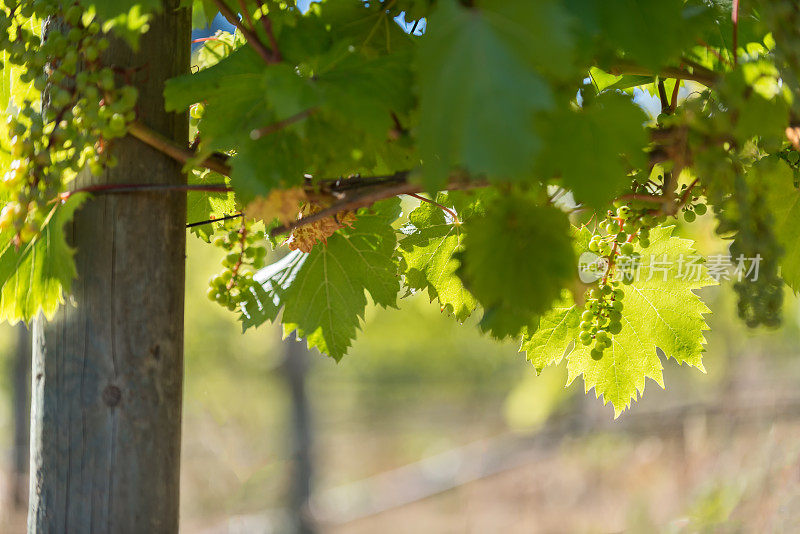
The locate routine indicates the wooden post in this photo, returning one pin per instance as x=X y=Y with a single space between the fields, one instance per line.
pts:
x=108 y=370
x=295 y=367
x=20 y=403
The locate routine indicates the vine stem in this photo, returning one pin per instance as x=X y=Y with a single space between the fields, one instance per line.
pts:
x=266 y=22
x=235 y=268
x=443 y=208
x=685 y=195
x=401 y=186
x=154 y=139
x=673 y=104
x=251 y=37
x=255 y=135
x=735 y=20
x=698 y=74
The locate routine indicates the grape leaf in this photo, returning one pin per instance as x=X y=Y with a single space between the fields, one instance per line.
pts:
x=478 y=97
x=204 y=205
x=428 y=253
x=322 y=293
x=604 y=81
x=34 y=278
x=593 y=148
x=544 y=345
x=516 y=259
x=334 y=122
x=643 y=31
x=657 y=314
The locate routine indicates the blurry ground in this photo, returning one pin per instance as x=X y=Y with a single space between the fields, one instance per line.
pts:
x=428 y=427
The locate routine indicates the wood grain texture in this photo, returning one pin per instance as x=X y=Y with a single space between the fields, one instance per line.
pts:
x=108 y=370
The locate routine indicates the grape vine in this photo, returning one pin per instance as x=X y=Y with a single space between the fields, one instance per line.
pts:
x=532 y=137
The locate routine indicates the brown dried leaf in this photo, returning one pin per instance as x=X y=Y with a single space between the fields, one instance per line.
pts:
x=305 y=237
x=283 y=204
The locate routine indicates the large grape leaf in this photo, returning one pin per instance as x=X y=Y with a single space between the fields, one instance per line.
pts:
x=332 y=122
x=35 y=277
x=516 y=260
x=427 y=253
x=650 y=33
x=657 y=314
x=322 y=293
x=478 y=97
x=593 y=148
x=783 y=200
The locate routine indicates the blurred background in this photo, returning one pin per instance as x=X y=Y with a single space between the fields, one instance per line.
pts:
x=429 y=427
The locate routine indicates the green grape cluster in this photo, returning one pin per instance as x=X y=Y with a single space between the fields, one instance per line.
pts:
x=246 y=253
x=82 y=109
x=742 y=211
x=742 y=214
x=602 y=318
x=693 y=207
x=624 y=228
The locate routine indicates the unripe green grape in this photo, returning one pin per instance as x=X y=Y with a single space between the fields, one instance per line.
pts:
x=91 y=53
x=617 y=305
x=644 y=242
x=615 y=327
x=626 y=249
x=596 y=354
x=689 y=216
x=73 y=15
x=619 y=294
x=623 y=212
x=622 y=237
x=585 y=325
x=701 y=209
x=587 y=316
x=117 y=125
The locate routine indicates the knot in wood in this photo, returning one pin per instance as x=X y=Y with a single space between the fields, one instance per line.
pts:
x=112 y=395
